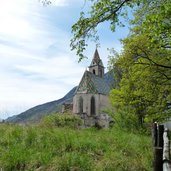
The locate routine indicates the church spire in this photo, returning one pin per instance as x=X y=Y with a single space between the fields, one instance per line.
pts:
x=96 y=59
x=96 y=67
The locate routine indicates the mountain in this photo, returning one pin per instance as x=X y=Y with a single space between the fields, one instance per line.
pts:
x=36 y=113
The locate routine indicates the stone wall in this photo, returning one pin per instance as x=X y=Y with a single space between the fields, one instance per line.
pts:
x=67 y=108
x=103 y=120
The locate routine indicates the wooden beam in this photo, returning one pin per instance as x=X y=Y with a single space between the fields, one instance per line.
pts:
x=166 y=152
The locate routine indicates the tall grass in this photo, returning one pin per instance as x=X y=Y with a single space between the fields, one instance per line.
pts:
x=53 y=149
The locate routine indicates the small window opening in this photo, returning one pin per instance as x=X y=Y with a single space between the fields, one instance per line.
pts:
x=80 y=105
x=93 y=106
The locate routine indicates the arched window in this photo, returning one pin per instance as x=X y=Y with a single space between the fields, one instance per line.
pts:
x=93 y=106
x=80 y=105
x=94 y=72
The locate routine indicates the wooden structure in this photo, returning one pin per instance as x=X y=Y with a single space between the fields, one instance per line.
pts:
x=161 y=148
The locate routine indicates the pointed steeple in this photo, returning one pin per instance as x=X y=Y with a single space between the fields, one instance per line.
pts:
x=96 y=59
x=96 y=67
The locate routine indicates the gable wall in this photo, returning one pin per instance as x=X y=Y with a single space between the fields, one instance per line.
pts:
x=101 y=101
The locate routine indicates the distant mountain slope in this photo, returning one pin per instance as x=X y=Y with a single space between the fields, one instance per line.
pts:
x=36 y=113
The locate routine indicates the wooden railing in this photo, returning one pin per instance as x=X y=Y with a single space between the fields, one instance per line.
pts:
x=161 y=148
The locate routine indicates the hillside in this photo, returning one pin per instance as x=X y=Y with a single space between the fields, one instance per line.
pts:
x=36 y=113
x=60 y=149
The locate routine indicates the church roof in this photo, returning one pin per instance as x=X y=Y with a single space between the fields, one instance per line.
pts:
x=90 y=83
x=96 y=59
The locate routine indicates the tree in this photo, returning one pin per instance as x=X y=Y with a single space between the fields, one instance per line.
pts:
x=145 y=86
x=142 y=92
x=151 y=14
x=156 y=22
x=100 y=11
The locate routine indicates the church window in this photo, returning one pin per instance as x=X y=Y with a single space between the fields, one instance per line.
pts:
x=93 y=106
x=80 y=105
x=94 y=72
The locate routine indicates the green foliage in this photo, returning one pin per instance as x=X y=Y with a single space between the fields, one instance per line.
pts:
x=152 y=17
x=100 y=11
x=127 y=119
x=62 y=120
x=156 y=22
x=61 y=149
x=143 y=90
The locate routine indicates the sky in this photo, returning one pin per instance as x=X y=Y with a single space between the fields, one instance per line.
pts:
x=37 y=64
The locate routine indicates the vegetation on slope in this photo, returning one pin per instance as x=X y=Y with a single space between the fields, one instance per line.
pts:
x=49 y=147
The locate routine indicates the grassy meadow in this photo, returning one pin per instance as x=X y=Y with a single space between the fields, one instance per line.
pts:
x=50 y=148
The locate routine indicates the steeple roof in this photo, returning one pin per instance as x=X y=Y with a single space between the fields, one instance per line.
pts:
x=96 y=59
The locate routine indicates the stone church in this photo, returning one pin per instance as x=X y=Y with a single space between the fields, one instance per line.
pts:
x=91 y=96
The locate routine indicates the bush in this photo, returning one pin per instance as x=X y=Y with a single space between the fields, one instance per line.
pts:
x=62 y=120
x=126 y=119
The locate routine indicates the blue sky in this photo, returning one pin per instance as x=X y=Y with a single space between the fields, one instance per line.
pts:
x=37 y=65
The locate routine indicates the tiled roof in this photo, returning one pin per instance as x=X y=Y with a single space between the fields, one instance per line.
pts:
x=90 y=83
x=100 y=84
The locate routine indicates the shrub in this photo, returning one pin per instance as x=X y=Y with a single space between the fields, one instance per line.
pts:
x=62 y=120
x=126 y=119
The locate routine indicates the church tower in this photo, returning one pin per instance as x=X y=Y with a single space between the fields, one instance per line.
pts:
x=96 y=67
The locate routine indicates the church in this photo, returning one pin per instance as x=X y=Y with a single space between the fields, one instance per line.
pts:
x=91 y=95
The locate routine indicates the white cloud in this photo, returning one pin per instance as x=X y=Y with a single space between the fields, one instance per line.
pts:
x=37 y=65
x=55 y=68
x=12 y=24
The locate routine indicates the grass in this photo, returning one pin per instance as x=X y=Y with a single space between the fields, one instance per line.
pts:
x=64 y=149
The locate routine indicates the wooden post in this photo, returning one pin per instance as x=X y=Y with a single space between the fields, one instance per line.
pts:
x=154 y=134
x=160 y=136
x=158 y=159
x=158 y=146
